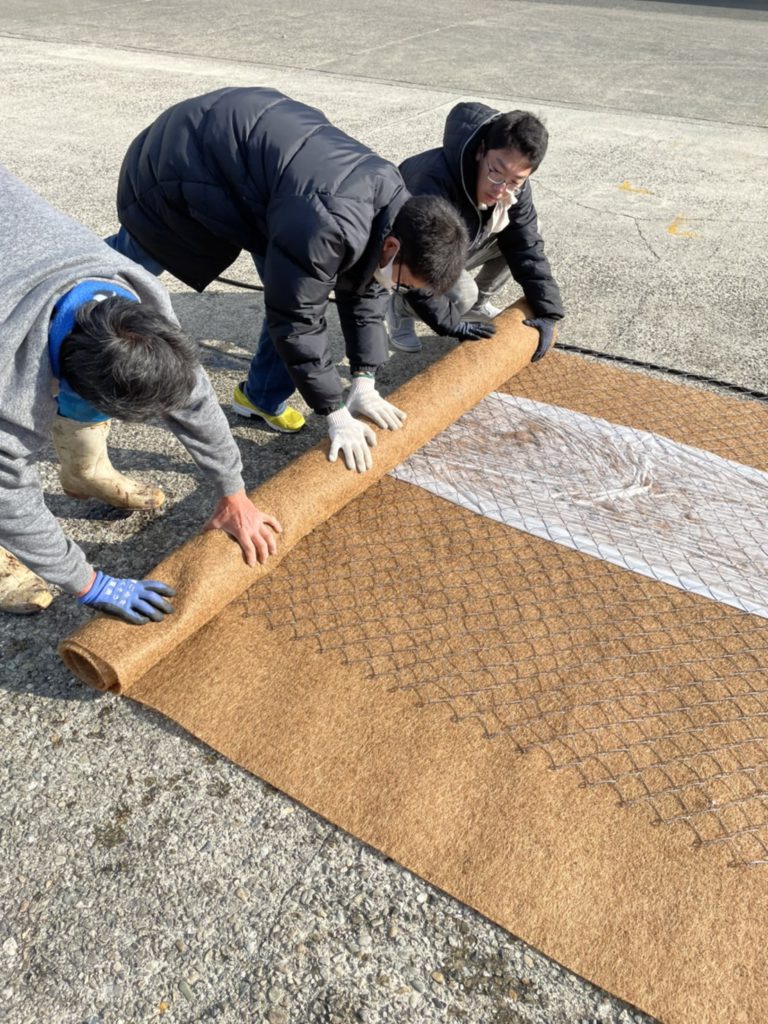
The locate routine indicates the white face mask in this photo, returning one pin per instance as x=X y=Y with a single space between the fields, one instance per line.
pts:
x=384 y=275
x=506 y=200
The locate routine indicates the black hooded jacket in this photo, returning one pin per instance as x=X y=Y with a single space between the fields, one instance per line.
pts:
x=450 y=172
x=252 y=169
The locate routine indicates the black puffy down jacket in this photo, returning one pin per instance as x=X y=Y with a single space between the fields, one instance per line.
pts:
x=450 y=172
x=253 y=169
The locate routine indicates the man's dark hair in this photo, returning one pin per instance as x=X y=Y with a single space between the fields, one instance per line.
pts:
x=521 y=131
x=129 y=361
x=433 y=241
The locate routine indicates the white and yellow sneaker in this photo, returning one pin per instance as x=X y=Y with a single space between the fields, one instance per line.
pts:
x=287 y=422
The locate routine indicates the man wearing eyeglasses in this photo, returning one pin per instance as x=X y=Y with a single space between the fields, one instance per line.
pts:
x=251 y=169
x=483 y=169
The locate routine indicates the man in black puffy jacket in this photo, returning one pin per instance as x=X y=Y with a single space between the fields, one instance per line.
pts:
x=251 y=169
x=483 y=169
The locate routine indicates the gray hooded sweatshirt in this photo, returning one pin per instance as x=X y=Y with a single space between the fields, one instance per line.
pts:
x=44 y=253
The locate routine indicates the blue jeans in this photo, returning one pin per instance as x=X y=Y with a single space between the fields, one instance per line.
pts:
x=269 y=384
x=125 y=243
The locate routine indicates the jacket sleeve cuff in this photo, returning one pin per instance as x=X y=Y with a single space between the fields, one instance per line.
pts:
x=438 y=313
x=79 y=580
x=549 y=315
x=229 y=485
x=326 y=410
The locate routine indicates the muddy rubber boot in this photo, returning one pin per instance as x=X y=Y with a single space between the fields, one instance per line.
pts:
x=86 y=471
x=21 y=592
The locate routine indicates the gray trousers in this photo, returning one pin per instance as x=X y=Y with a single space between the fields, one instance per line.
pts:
x=470 y=290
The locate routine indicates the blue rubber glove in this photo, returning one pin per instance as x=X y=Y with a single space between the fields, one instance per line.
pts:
x=136 y=601
x=546 y=329
x=473 y=330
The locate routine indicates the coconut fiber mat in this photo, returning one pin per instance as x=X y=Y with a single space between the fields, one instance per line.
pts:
x=572 y=740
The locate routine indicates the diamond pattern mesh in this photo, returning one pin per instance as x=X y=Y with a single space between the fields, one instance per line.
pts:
x=633 y=684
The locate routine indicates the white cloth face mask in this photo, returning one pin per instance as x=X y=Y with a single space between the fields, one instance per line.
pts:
x=384 y=275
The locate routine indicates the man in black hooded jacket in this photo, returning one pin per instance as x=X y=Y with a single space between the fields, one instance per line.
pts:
x=251 y=169
x=483 y=169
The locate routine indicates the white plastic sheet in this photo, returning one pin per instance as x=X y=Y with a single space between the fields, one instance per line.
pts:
x=678 y=514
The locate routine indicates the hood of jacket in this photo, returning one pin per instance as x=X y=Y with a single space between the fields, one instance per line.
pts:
x=465 y=128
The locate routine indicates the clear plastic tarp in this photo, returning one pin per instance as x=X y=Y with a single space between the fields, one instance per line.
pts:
x=642 y=501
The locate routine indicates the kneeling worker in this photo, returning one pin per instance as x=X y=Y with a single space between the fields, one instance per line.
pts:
x=483 y=169
x=76 y=313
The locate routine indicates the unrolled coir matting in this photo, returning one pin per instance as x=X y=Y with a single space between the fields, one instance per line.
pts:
x=577 y=751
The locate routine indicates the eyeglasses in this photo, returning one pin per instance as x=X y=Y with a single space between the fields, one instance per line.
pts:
x=399 y=272
x=499 y=182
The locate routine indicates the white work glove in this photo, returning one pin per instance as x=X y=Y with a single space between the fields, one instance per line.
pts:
x=351 y=437
x=363 y=398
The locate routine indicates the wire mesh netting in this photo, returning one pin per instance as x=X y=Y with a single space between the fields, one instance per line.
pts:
x=633 y=684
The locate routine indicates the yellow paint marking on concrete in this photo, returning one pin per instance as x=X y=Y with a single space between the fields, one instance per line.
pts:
x=627 y=186
x=675 y=228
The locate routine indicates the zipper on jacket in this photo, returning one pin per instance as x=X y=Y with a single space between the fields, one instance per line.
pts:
x=463 y=182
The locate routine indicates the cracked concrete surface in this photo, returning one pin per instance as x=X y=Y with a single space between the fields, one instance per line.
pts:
x=141 y=875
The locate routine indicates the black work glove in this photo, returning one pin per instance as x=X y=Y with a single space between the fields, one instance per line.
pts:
x=473 y=330
x=546 y=329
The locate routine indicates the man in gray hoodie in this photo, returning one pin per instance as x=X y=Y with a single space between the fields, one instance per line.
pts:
x=86 y=334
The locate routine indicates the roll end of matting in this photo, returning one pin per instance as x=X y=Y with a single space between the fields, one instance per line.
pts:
x=208 y=571
x=87 y=665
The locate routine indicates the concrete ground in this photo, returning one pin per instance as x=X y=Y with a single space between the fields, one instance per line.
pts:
x=142 y=875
